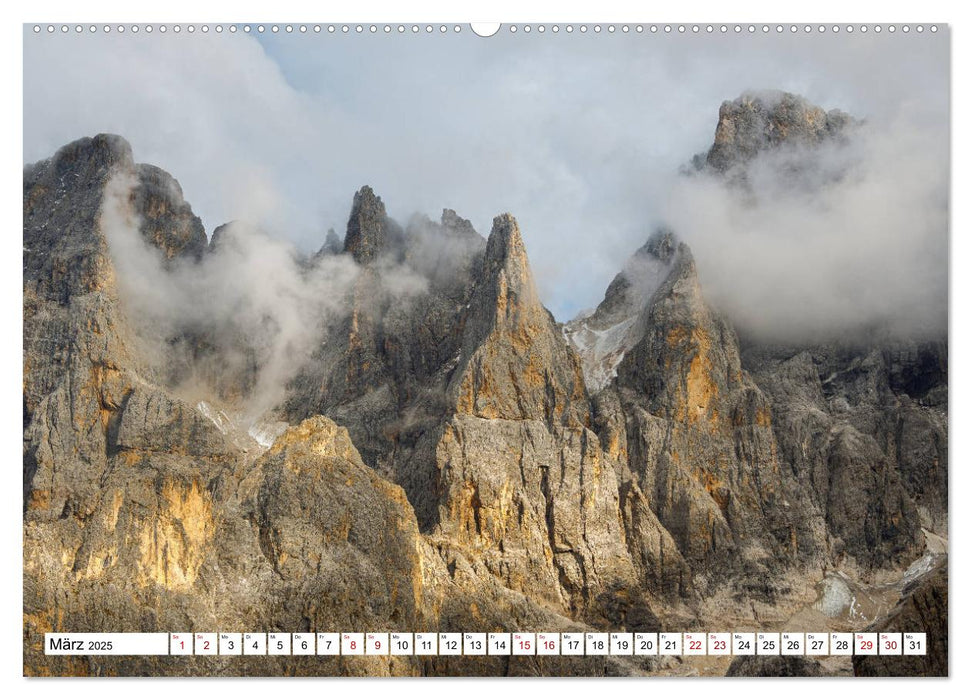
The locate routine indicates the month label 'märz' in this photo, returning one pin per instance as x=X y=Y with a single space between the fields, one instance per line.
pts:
x=106 y=644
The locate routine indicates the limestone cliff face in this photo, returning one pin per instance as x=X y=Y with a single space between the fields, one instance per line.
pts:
x=847 y=472
x=343 y=541
x=116 y=472
x=307 y=538
x=80 y=364
x=696 y=433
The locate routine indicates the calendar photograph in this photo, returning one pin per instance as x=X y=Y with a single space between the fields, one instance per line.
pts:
x=440 y=350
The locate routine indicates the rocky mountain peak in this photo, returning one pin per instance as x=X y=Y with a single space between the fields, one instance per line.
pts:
x=233 y=234
x=506 y=264
x=516 y=364
x=603 y=337
x=642 y=273
x=367 y=228
x=64 y=249
x=760 y=121
x=98 y=153
x=456 y=224
x=505 y=237
x=221 y=234
x=662 y=245
x=332 y=246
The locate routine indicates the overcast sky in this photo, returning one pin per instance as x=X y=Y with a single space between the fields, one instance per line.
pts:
x=579 y=136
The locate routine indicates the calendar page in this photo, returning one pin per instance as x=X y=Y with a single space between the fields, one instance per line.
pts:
x=517 y=349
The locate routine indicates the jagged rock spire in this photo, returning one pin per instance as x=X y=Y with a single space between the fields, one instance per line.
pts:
x=506 y=269
x=516 y=365
x=366 y=227
x=332 y=242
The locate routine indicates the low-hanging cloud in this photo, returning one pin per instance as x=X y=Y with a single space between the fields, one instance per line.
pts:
x=235 y=326
x=251 y=301
x=847 y=237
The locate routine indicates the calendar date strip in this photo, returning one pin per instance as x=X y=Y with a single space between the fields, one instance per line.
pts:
x=486 y=644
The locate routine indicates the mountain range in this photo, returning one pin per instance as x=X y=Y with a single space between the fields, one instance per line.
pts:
x=414 y=443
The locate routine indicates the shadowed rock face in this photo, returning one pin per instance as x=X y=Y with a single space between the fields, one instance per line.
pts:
x=167 y=221
x=370 y=233
x=923 y=607
x=838 y=404
x=696 y=433
x=384 y=369
x=455 y=459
